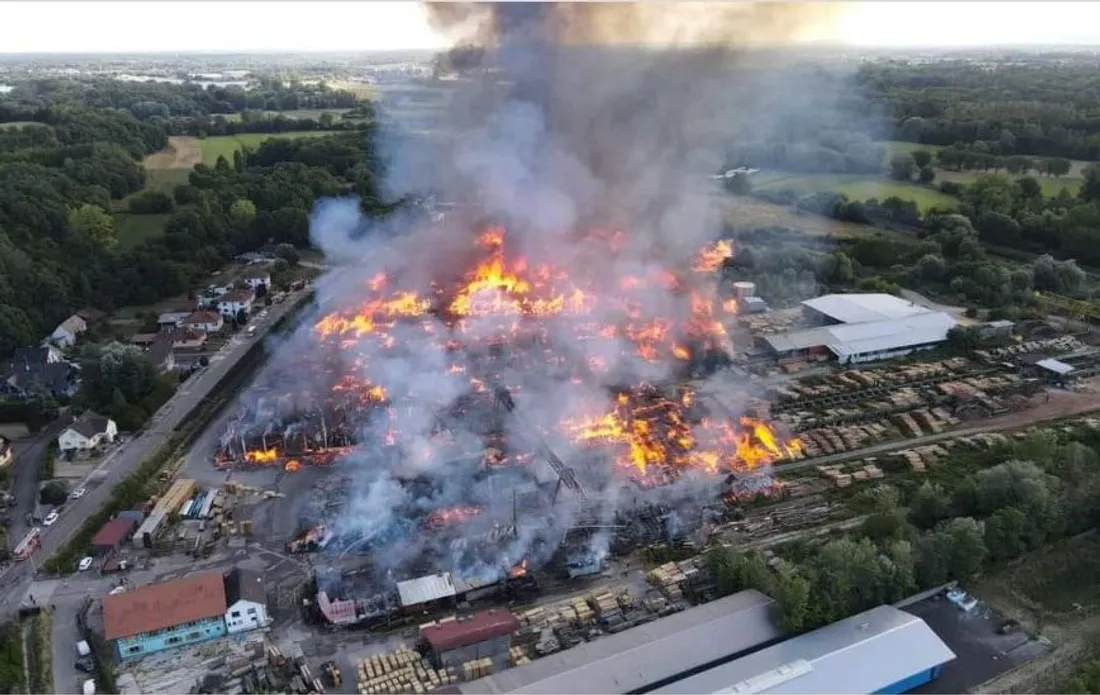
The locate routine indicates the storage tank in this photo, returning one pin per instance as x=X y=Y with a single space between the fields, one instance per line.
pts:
x=744 y=290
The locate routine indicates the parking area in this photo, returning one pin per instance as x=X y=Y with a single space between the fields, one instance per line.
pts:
x=982 y=651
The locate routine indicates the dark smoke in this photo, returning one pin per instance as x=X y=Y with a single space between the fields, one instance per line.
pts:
x=564 y=118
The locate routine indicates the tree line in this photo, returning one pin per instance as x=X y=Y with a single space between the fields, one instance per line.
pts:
x=1039 y=106
x=60 y=181
x=917 y=535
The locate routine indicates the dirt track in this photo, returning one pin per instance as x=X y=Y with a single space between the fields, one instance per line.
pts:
x=182 y=153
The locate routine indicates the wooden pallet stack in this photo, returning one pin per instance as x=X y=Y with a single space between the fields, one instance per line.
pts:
x=477 y=668
x=518 y=656
x=401 y=671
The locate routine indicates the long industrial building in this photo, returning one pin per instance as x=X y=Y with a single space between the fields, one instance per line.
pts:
x=861 y=328
x=648 y=656
x=883 y=650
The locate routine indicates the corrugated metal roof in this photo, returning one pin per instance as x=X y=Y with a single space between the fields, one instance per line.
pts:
x=874 y=336
x=860 y=308
x=1056 y=366
x=462 y=632
x=424 y=589
x=861 y=654
x=864 y=338
x=647 y=654
x=113 y=532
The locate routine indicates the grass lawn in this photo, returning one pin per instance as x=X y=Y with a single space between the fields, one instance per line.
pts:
x=165 y=179
x=134 y=229
x=1056 y=582
x=896 y=147
x=752 y=213
x=226 y=145
x=856 y=187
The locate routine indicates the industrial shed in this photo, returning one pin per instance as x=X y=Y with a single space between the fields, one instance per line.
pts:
x=419 y=592
x=883 y=650
x=112 y=534
x=649 y=655
x=480 y=635
x=864 y=342
x=859 y=308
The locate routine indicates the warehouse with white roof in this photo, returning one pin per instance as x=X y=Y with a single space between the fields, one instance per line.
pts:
x=861 y=328
x=649 y=655
x=883 y=650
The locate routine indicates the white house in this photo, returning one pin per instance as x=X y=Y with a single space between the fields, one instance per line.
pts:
x=206 y=321
x=87 y=432
x=255 y=278
x=232 y=303
x=187 y=339
x=67 y=331
x=245 y=600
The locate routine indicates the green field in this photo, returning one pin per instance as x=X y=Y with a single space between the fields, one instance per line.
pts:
x=134 y=229
x=18 y=124
x=226 y=145
x=856 y=187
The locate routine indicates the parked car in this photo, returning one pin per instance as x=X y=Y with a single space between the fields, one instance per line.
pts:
x=86 y=564
x=85 y=664
x=51 y=518
x=78 y=493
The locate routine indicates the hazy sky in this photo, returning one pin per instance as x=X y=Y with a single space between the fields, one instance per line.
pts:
x=319 y=26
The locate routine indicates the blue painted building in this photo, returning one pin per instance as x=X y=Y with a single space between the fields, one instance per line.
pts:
x=883 y=650
x=166 y=615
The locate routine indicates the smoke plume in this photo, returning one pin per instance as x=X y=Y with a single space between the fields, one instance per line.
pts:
x=563 y=119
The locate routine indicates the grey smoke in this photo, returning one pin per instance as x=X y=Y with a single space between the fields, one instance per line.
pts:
x=579 y=116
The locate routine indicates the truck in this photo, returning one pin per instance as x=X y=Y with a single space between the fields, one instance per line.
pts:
x=30 y=543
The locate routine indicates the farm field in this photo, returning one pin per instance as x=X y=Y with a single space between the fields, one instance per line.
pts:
x=225 y=145
x=856 y=187
x=753 y=213
x=1051 y=186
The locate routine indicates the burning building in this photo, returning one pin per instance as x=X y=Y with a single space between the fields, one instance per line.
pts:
x=542 y=353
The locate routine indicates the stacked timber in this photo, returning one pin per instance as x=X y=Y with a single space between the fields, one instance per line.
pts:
x=668 y=579
x=913 y=459
x=518 y=656
x=401 y=671
x=605 y=605
x=584 y=612
x=532 y=617
x=477 y=668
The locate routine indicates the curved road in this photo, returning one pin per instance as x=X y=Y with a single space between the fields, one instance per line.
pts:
x=15 y=578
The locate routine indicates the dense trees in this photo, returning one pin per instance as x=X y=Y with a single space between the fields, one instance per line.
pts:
x=1041 y=488
x=61 y=178
x=118 y=381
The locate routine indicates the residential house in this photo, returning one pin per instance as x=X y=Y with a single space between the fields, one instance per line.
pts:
x=169 y=614
x=187 y=339
x=5 y=451
x=172 y=319
x=232 y=303
x=39 y=370
x=255 y=278
x=208 y=321
x=87 y=432
x=68 y=331
x=160 y=353
x=246 y=601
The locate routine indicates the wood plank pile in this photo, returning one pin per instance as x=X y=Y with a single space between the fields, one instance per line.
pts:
x=477 y=668
x=401 y=671
x=518 y=656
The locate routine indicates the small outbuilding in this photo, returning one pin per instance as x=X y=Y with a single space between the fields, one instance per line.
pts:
x=112 y=535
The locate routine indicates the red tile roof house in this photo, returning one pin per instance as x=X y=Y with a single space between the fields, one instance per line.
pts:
x=165 y=615
x=208 y=321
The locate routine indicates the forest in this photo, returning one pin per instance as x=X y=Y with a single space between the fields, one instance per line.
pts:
x=61 y=178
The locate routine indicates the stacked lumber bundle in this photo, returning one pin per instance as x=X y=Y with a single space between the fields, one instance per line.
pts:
x=668 y=579
x=533 y=617
x=604 y=603
x=518 y=656
x=401 y=671
x=477 y=668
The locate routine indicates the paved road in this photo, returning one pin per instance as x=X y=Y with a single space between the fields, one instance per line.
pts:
x=25 y=478
x=15 y=578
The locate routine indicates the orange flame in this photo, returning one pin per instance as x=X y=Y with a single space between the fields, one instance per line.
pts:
x=261 y=456
x=711 y=258
x=451 y=516
x=519 y=570
x=293 y=466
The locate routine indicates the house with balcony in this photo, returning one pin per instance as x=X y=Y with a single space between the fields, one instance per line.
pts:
x=232 y=303
x=88 y=431
x=165 y=615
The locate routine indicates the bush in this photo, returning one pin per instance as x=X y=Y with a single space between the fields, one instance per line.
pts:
x=54 y=494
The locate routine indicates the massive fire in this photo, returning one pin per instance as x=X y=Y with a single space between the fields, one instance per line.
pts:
x=652 y=438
